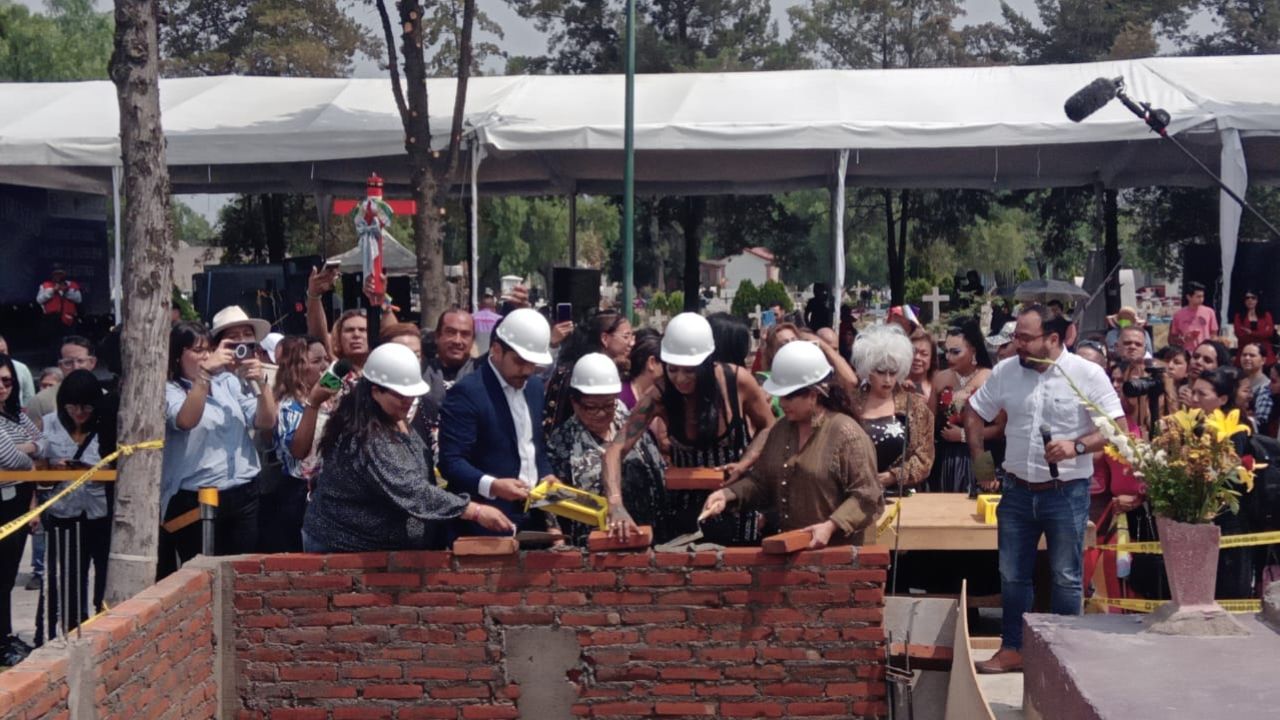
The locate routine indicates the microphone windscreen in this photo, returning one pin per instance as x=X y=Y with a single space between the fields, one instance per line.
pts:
x=342 y=368
x=1091 y=98
x=1044 y=430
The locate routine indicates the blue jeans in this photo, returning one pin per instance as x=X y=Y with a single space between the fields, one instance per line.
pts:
x=1061 y=515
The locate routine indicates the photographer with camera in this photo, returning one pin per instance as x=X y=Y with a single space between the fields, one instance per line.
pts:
x=216 y=396
x=1147 y=380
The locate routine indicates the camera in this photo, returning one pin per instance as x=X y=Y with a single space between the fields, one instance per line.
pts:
x=243 y=351
x=1150 y=386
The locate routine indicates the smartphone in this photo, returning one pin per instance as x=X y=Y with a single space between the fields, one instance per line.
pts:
x=332 y=265
x=564 y=312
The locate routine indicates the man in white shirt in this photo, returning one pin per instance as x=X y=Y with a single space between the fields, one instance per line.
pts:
x=1046 y=488
x=491 y=443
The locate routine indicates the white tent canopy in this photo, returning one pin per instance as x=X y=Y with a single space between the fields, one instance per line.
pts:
x=990 y=127
x=396 y=258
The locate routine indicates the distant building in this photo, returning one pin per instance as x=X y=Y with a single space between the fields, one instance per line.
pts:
x=754 y=264
x=190 y=260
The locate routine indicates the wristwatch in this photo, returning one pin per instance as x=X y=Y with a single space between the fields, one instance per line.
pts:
x=1081 y=449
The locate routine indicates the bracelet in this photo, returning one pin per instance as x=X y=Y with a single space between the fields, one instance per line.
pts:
x=306 y=402
x=964 y=435
x=313 y=297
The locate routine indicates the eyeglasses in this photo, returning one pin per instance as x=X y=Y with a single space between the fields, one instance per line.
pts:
x=78 y=409
x=1025 y=338
x=6 y=382
x=598 y=408
x=74 y=363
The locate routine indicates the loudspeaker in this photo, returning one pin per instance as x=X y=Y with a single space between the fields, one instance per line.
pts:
x=275 y=292
x=579 y=287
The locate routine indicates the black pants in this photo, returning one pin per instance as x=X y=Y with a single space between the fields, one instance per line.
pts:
x=235 y=526
x=280 y=516
x=72 y=545
x=11 y=550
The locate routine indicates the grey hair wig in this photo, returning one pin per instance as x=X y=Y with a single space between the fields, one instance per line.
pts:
x=883 y=347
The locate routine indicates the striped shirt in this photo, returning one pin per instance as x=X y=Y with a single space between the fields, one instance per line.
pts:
x=14 y=433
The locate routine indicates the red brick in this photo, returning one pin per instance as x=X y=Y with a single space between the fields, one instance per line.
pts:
x=684 y=708
x=484 y=598
x=393 y=692
x=427 y=712
x=819 y=596
x=589 y=618
x=485 y=546
x=662 y=654
x=837 y=555
x=296 y=602
x=709 y=598
x=298 y=714
x=787 y=542
x=858 y=690
x=387 y=616
x=307 y=672
x=467 y=581
x=553 y=561
x=731 y=654
x=357 y=561
x=653 y=617
x=787 y=578
x=420 y=599
x=739 y=690
x=361 y=713
x=653 y=579
x=247 y=566
x=843 y=577
x=401 y=579
x=245 y=603
x=420 y=559
x=609 y=637
x=322 y=690
x=871 y=634
x=614 y=599
x=489 y=712
x=586 y=579
x=673 y=689
x=602 y=541
x=663 y=636
x=328 y=581
x=690 y=673
x=611 y=709
x=751 y=709
x=522 y=616
x=873 y=556
x=522 y=580
x=359 y=600
x=432 y=672
x=455 y=692
x=721 y=578
x=611 y=561
x=470 y=616
x=293 y=562
x=817 y=708
x=325 y=619
x=869 y=595
x=853 y=614
x=357 y=634
x=780 y=615
x=704 y=559
x=793 y=689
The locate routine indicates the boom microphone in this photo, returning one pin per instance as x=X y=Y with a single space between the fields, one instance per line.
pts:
x=1091 y=98
x=1044 y=436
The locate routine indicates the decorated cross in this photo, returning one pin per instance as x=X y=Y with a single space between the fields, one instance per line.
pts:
x=372 y=216
x=935 y=299
x=757 y=316
x=658 y=320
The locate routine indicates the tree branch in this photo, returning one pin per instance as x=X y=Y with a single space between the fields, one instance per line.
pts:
x=394 y=62
x=460 y=96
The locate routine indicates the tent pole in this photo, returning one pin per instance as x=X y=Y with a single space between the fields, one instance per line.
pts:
x=629 y=169
x=117 y=277
x=477 y=154
x=573 y=226
x=1235 y=178
x=837 y=229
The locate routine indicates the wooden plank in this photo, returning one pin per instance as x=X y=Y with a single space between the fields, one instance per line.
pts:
x=921 y=657
x=787 y=542
x=965 y=700
x=54 y=476
x=601 y=541
x=485 y=545
x=694 y=479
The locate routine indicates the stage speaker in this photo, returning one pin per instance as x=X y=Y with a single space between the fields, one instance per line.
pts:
x=579 y=287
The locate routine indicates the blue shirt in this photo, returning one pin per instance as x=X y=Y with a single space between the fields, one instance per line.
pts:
x=91 y=499
x=218 y=452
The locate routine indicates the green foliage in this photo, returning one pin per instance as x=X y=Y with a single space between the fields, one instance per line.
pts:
x=918 y=287
x=745 y=299
x=441 y=31
x=772 y=292
x=184 y=306
x=70 y=41
x=188 y=225
x=288 y=38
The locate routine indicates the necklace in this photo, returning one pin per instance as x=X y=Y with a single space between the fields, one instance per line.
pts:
x=964 y=379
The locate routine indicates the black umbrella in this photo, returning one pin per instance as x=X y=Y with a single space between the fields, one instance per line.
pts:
x=1044 y=290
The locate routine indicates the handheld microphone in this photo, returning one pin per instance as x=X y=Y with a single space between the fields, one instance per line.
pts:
x=1091 y=98
x=1044 y=436
x=332 y=377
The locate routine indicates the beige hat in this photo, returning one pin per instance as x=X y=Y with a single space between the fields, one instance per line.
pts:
x=1128 y=312
x=229 y=317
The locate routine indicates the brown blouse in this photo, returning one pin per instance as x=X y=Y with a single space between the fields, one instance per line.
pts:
x=833 y=477
x=919 y=454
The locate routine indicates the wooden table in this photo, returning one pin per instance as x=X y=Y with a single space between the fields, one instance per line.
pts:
x=945 y=521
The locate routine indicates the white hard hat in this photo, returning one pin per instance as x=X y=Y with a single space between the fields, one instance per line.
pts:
x=796 y=366
x=528 y=333
x=394 y=367
x=688 y=340
x=269 y=344
x=595 y=374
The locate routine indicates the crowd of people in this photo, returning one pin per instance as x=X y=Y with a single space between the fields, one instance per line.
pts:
x=371 y=433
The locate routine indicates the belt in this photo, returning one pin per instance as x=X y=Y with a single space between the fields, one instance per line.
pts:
x=1041 y=486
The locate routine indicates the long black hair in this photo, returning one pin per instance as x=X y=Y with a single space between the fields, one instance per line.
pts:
x=586 y=336
x=707 y=403
x=1223 y=381
x=648 y=345
x=13 y=405
x=973 y=336
x=732 y=337
x=358 y=418
x=79 y=388
x=1219 y=350
x=184 y=335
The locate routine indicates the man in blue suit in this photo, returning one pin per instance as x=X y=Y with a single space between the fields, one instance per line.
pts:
x=491 y=444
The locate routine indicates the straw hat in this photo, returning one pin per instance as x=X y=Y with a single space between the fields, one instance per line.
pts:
x=232 y=316
x=1129 y=314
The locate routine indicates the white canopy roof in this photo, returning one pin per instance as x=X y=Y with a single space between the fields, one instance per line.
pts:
x=987 y=127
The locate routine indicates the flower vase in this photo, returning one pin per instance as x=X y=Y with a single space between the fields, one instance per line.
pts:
x=1191 y=563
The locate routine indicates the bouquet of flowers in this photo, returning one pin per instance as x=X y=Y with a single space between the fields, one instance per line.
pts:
x=1191 y=467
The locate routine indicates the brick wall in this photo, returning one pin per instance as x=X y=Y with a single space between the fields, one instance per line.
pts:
x=432 y=635
x=149 y=657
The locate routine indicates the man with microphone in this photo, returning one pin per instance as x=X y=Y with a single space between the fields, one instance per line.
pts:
x=1048 y=462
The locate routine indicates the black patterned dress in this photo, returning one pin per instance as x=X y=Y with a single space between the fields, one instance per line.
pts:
x=684 y=506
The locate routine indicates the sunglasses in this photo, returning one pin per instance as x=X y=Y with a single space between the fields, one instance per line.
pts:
x=6 y=382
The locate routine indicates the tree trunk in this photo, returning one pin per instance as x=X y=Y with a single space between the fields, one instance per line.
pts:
x=148 y=281
x=694 y=210
x=273 y=222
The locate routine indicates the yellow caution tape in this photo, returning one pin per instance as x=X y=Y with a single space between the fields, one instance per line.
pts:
x=22 y=521
x=1228 y=541
x=1146 y=606
x=889 y=515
